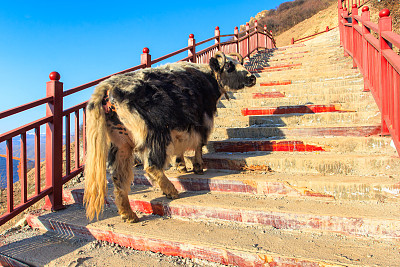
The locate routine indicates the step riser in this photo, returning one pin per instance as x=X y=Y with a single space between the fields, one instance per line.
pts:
x=277 y=132
x=308 y=72
x=363 y=227
x=338 y=69
x=281 y=110
x=301 y=88
x=300 y=222
x=282 y=98
x=171 y=248
x=344 y=144
x=303 y=58
x=312 y=78
x=328 y=190
x=323 y=119
x=317 y=165
x=364 y=106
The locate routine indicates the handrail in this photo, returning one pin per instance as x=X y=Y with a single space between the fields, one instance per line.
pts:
x=58 y=121
x=377 y=61
x=24 y=107
x=95 y=82
x=293 y=41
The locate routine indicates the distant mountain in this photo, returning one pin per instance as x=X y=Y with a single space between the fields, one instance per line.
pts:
x=3 y=171
x=30 y=146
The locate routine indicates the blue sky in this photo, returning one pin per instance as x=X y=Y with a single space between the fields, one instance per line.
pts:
x=87 y=40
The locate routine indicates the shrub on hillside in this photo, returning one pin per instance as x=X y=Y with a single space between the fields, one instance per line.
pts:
x=288 y=14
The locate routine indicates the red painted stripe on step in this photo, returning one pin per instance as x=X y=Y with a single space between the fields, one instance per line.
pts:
x=275 y=68
x=220 y=255
x=273 y=83
x=280 y=220
x=281 y=66
x=247 y=146
x=268 y=95
x=290 y=109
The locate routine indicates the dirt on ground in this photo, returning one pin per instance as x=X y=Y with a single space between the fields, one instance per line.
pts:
x=329 y=18
x=73 y=252
x=315 y=24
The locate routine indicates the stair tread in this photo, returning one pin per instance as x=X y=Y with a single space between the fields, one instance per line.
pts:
x=230 y=243
x=236 y=201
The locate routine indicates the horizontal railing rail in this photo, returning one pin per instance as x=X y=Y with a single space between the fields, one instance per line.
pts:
x=371 y=47
x=64 y=156
x=293 y=41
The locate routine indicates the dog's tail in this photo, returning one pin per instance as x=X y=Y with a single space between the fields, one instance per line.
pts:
x=97 y=148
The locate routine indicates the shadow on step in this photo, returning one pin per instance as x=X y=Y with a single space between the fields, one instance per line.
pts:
x=260 y=60
x=272 y=122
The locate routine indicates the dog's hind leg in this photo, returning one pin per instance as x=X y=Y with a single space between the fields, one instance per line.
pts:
x=198 y=160
x=166 y=186
x=120 y=160
x=180 y=164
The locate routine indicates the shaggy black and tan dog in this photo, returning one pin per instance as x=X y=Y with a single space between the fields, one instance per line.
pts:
x=155 y=113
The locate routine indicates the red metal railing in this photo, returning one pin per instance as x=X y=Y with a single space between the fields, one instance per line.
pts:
x=377 y=61
x=252 y=40
x=293 y=41
x=349 y=4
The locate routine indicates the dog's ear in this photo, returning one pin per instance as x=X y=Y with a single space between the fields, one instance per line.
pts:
x=214 y=65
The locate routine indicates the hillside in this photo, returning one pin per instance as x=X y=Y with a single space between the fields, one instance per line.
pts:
x=319 y=20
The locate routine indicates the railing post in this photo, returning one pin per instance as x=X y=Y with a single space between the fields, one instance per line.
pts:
x=384 y=24
x=145 y=58
x=217 y=39
x=365 y=16
x=272 y=43
x=54 y=142
x=340 y=12
x=192 y=50
x=266 y=37
x=236 y=38
x=354 y=12
x=248 y=39
x=345 y=32
x=256 y=29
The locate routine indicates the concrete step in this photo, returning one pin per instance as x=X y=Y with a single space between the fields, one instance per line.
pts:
x=284 y=105
x=313 y=100
x=378 y=219
x=230 y=244
x=312 y=76
x=318 y=68
x=333 y=144
x=301 y=87
x=269 y=94
x=272 y=184
x=325 y=163
x=301 y=131
x=306 y=57
x=293 y=120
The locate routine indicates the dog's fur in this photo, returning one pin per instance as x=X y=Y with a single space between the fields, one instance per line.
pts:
x=154 y=113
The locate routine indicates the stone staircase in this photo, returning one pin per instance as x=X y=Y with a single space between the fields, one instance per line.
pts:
x=297 y=175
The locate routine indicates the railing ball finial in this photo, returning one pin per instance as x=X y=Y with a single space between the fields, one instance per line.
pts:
x=191 y=35
x=217 y=28
x=236 y=28
x=54 y=76
x=365 y=8
x=146 y=50
x=247 y=24
x=384 y=13
x=354 y=6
